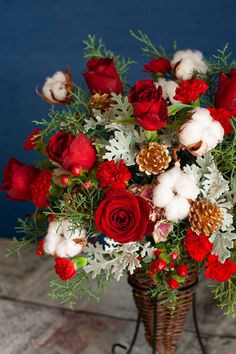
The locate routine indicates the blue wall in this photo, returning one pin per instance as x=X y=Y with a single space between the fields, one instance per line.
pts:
x=39 y=37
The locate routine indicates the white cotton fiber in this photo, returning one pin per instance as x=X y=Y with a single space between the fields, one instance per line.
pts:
x=168 y=89
x=177 y=209
x=54 y=88
x=186 y=62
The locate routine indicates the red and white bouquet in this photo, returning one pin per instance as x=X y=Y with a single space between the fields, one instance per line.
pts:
x=134 y=177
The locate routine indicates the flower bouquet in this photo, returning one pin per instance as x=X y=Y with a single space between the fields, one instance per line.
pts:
x=136 y=180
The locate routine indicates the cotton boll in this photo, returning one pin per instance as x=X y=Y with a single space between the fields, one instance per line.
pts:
x=186 y=187
x=177 y=209
x=169 y=177
x=185 y=62
x=168 y=89
x=47 y=92
x=59 y=76
x=56 y=88
x=71 y=234
x=67 y=248
x=162 y=195
x=202 y=116
x=190 y=133
x=59 y=90
x=217 y=130
x=50 y=243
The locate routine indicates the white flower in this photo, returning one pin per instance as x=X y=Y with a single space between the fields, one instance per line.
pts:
x=168 y=89
x=185 y=62
x=201 y=132
x=63 y=241
x=173 y=192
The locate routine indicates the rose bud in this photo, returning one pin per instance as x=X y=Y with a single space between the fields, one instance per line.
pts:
x=186 y=62
x=201 y=133
x=102 y=76
x=226 y=93
x=150 y=108
x=68 y=151
x=32 y=140
x=57 y=89
x=181 y=270
x=17 y=178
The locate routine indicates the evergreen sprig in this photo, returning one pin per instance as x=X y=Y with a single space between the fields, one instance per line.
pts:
x=225 y=295
x=96 y=48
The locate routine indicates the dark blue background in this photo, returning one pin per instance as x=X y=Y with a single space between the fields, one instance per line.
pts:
x=39 y=37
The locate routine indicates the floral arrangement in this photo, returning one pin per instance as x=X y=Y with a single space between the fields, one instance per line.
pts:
x=137 y=177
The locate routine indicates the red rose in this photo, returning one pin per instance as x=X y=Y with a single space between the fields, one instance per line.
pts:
x=219 y=271
x=190 y=90
x=69 y=151
x=17 y=178
x=226 y=93
x=65 y=268
x=223 y=117
x=123 y=217
x=150 y=108
x=113 y=175
x=33 y=138
x=40 y=189
x=198 y=246
x=159 y=65
x=102 y=76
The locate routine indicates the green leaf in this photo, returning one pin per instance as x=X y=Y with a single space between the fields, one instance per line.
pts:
x=80 y=262
x=174 y=108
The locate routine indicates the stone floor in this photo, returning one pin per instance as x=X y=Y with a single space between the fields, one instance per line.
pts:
x=31 y=323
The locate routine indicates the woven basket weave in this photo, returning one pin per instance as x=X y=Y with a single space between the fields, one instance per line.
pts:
x=170 y=322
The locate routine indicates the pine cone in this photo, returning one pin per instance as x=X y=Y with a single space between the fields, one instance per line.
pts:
x=153 y=158
x=100 y=102
x=205 y=217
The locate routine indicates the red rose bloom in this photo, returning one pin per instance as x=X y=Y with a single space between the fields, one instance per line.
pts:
x=40 y=189
x=31 y=141
x=223 y=117
x=102 y=76
x=64 y=268
x=198 y=246
x=17 y=178
x=226 y=93
x=190 y=90
x=159 y=65
x=69 y=151
x=123 y=217
x=150 y=108
x=219 y=271
x=111 y=175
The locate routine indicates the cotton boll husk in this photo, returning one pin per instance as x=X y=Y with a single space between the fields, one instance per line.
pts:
x=186 y=187
x=168 y=89
x=190 y=133
x=162 y=195
x=59 y=90
x=177 y=209
x=68 y=248
x=169 y=177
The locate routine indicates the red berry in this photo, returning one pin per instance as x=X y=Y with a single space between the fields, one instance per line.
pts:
x=39 y=251
x=52 y=217
x=64 y=180
x=41 y=242
x=173 y=284
x=160 y=264
x=182 y=270
x=174 y=255
x=171 y=265
x=151 y=274
x=88 y=184
x=76 y=170
x=157 y=252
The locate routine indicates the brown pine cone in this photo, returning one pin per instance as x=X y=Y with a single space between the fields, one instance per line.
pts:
x=153 y=158
x=100 y=102
x=205 y=217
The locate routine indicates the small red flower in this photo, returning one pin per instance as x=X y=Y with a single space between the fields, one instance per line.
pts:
x=198 y=246
x=112 y=175
x=190 y=90
x=219 y=271
x=173 y=283
x=159 y=65
x=64 y=268
x=40 y=189
x=32 y=140
x=223 y=117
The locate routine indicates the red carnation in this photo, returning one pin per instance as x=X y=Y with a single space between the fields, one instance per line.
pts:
x=159 y=65
x=198 y=246
x=123 y=217
x=219 y=271
x=32 y=140
x=40 y=189
x=113 y=175
x=190 y=90
x=223 y=117
x=65 y=268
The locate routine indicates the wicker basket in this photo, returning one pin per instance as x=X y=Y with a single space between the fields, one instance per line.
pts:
x=169 y=322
